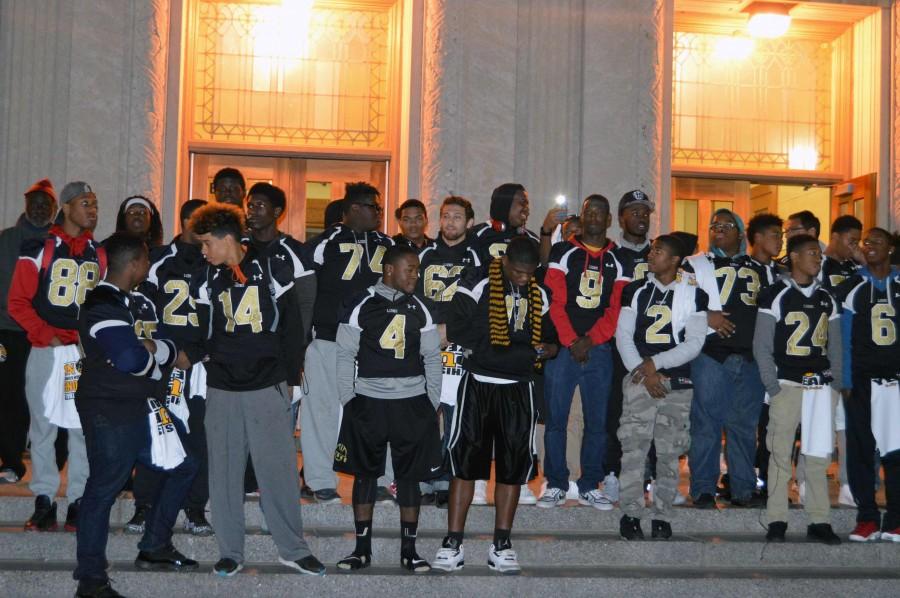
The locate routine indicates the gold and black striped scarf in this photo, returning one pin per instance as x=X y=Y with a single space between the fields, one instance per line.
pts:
x=498 y=320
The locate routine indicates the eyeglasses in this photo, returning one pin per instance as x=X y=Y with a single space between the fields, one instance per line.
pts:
x=794 y=229
x=722 y=227
x=375 y=206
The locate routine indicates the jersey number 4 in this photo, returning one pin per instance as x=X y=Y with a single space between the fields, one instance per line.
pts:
x=394 y=336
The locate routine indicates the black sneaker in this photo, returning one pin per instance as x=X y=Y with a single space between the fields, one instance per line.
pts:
x=776 y=531
x=442 y=499
x=307 y=493
x=9 y=475
x=822 y=532
x=308 y=565
x=328 y=496
x=166 y=559
x=354 y=562
x=136 y=524
x=72 y=516
x=724 y=491
x=415 y=564
x=705 y=501
x=95 y=589
x=44 y=517
x=754 y=501
x=630 y=528
x=428 y=498
x=661 y=530
x=227 y=567
x=195 y=522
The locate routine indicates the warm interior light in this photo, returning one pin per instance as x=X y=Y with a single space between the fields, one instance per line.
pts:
x=769 y=22
x=733 y=47
x=282 y=31
x=803 y=157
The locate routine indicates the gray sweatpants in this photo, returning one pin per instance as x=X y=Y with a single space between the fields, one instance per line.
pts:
x=42 y=434
x=256 y=422
x=320 y=418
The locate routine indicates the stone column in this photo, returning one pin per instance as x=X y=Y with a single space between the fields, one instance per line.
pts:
x=85 y=98
x=894 y=195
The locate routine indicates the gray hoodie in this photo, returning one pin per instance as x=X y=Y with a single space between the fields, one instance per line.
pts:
x=387 y=388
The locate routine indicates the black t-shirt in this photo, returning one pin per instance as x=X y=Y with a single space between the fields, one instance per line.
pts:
x=346 y=263
x=875 y=351
x=490 y=242
x=653 y=332
x=801 y=328
x=390 y=334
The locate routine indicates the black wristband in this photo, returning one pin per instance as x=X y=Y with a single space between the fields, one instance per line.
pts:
x=545 y=233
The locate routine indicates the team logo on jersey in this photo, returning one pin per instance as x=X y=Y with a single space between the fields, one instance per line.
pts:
x=71 y=373
x=340 y=453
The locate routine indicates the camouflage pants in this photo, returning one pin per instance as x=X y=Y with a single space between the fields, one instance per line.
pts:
x=644 y=420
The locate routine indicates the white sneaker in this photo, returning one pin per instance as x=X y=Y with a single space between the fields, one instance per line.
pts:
x=526 y=496
x=572 y=492
x=611 y=487
x=480 y=495
x=845 y=497
x=552 y=497
x=503 y=561
x=595 y=498
x=679 y=500
x=801 y=493
x=449 y=559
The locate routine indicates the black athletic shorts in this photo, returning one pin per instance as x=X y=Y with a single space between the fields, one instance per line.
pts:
x=410 y=426
x=493 y=421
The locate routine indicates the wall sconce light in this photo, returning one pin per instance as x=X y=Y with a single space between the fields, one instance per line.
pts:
x=768 y=19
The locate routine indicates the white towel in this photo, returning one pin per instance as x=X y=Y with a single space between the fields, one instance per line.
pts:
x=886 y=415
x=59 y=392
x=176 y=402
x=817 y=422
x=684 y=305
x=840 y=416
x=166 y=450
x=198 y=380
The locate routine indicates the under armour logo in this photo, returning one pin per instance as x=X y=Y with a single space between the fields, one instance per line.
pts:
x=257 y=277
x=281 y=257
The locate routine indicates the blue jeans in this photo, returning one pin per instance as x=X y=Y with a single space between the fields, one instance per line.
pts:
x=727 y=395
x=593 y=378
x=113 y=448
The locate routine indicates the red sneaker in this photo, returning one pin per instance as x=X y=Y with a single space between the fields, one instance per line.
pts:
x=892 y=535
x=865 y=531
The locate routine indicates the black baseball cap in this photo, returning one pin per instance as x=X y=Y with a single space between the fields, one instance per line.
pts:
x=635 y=197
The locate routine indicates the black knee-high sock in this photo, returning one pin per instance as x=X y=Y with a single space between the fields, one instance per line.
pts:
x=363 y=537
x=501 y=538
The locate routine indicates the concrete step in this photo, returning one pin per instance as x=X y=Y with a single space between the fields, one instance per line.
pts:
x=41 y=579
x=542 y=547
x=481 y=519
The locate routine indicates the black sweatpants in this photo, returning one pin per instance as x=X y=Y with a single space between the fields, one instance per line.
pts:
x=13 y=406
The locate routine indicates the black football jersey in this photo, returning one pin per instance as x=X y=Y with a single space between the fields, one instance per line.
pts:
x=440 y=268
x=739 y=280
x=801 y=328
x=62 y=286
x=390 y=334
x=875 y=320
x=489 y=242
x=834 y=272
x=346 y=263
x=250 y=334
x=634 y=263
x=653 y=324
x=173 y=268
x=584 y=283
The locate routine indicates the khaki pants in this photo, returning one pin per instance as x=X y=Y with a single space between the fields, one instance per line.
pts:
x=784 y=416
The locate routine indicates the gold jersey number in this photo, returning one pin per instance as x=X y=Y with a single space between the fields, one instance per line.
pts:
x=356 y=252
x=248 y=312
x=70 y=281
x=884 y=331
x=819 y=338
x=730 y=275
x=662 y=317
x=181 y=291
x=435 y=288
x=394 y=336
x=590 y=288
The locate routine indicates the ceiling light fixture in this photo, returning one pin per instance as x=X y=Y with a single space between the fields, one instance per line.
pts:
x=768 y=19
